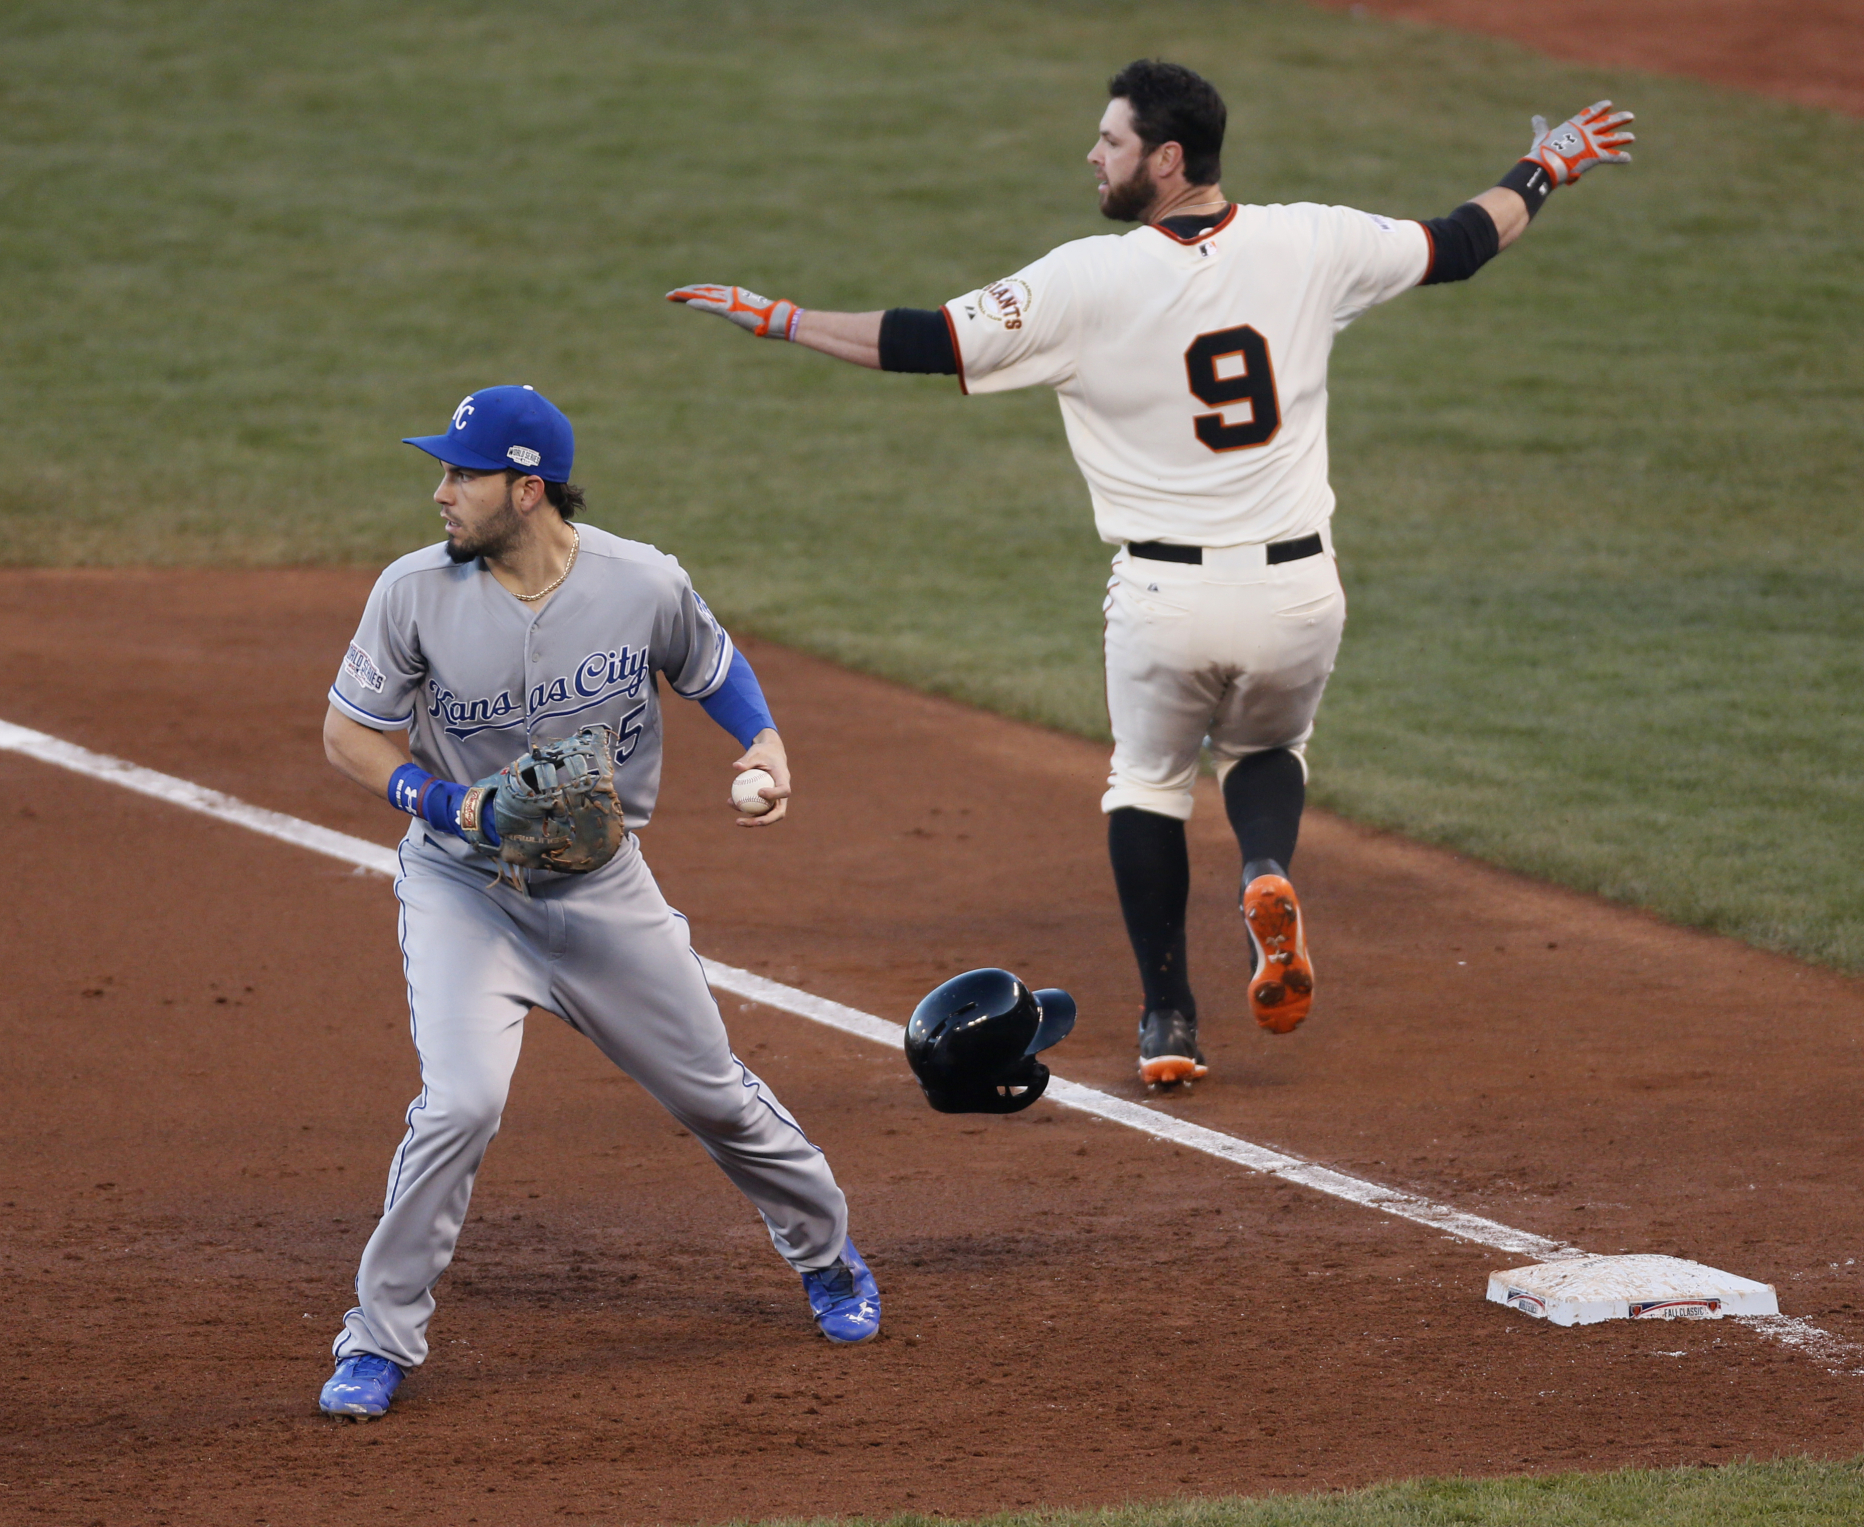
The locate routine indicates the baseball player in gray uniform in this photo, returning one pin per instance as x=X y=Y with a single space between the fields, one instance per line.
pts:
x=524 y=627
x=1190 y=360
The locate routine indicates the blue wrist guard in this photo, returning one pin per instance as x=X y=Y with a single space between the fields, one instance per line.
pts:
x=435 y=801
x=738 y=704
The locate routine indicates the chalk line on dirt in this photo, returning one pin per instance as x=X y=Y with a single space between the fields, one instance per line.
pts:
x=1825 y=1348
x=1164 y=1126
x=180 y=792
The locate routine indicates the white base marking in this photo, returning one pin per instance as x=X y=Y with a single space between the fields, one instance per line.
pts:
x=363 y=854
x=1832 y=1353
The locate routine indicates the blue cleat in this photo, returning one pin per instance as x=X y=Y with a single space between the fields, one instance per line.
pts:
x=845 y=1298
x=362 y=1387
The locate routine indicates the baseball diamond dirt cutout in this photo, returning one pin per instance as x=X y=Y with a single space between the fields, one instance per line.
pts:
x=210 y=1059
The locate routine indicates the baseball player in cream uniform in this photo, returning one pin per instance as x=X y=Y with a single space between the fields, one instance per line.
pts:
x=521 y=628
x=1190 y=360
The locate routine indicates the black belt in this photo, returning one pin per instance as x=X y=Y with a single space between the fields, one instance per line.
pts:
x=1279 y=551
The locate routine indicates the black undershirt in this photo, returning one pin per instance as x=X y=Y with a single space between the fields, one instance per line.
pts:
x=1194 y=225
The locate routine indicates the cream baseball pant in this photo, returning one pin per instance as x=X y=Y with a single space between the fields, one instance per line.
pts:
x=1233 y=654
x=608 y=954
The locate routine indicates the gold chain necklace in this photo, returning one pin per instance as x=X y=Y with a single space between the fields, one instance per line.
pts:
x=568 y=563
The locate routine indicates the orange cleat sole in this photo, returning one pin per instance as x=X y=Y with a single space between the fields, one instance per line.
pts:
x=1169 y=1070
x=1282 y=990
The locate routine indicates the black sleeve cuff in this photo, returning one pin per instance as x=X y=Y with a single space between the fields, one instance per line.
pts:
x=917 y=339
x=1460 y=244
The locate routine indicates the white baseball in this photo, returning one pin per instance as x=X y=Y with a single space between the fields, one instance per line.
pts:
x=744 y=794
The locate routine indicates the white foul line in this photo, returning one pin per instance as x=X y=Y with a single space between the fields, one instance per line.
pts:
x=743 y=983
x=1830 y=1352
x=179 y=792
x=1163 y=1126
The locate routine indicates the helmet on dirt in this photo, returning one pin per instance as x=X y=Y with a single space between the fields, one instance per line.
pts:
x=973 y=1041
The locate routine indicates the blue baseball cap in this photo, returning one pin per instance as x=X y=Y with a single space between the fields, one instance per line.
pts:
x=500 y=427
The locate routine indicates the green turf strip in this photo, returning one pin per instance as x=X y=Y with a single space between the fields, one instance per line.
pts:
x=1598 y=509
x=1792 y=1493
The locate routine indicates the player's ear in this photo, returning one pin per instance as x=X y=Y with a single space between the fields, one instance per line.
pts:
x=530 y=493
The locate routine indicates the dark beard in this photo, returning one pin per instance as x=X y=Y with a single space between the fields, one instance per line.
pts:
x=495 y=540
x=1127 y=202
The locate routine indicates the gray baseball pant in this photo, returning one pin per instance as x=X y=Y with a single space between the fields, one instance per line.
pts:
x=608 y=954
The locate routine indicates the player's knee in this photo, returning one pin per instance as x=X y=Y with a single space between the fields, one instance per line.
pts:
x=1262 y=758
x=468 y=1106
x=1166 y=801
x=723 y=1118
x=734 y=1113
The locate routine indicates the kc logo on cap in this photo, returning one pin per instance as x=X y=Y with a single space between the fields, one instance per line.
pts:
x=494 y=429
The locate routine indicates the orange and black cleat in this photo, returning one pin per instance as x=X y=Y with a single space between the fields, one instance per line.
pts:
x=1282 y=988
x=1168 y=1052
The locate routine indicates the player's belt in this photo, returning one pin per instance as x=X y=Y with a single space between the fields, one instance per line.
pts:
x=1278 y=551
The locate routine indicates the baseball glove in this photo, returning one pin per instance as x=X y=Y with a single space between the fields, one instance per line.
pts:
x=552 y=808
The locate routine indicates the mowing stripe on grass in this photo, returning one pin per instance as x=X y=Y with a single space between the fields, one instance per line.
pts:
x=1829 y=1350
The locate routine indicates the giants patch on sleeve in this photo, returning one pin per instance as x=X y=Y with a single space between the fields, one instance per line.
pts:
x=361 y=667
x=1006 y=302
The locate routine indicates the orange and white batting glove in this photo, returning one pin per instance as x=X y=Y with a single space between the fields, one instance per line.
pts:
x=763 y=317
x=1593 y=136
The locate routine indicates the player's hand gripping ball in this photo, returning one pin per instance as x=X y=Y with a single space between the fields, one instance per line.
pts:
x=1593 y=136
x=554 y=807
x=765 y=318
x=744 y=792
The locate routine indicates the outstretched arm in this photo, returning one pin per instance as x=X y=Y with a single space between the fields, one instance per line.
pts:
x=846 y=336
x=853 y=337
x=1487 y=224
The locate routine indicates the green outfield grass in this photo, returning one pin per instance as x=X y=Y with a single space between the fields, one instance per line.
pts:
x=1598 y=509
x=1792 y=1493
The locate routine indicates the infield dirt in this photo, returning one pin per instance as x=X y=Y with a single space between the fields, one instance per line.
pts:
x=1807 y=51
x=209 y=1063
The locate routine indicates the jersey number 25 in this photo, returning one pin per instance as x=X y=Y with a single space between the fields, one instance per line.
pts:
x=1227 y=369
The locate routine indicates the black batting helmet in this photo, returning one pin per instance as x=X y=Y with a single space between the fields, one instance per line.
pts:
x=973 y=1041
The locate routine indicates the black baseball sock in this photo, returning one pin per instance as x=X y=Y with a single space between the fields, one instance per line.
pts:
x=1152 y=871
x=1264 y=795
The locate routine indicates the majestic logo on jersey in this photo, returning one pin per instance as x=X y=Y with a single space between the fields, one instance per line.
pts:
x=463 y=412
x=1006 y=302
x=361 y=667
x=524 y=456
x=599 y=679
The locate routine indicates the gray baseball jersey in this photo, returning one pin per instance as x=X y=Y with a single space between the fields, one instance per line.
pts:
x=474 y=674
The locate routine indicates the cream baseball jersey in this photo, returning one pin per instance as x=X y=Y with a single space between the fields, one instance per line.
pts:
x=1192 y=372
x=475 y=675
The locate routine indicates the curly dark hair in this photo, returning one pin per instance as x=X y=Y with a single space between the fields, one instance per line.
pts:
x=1172 y=104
